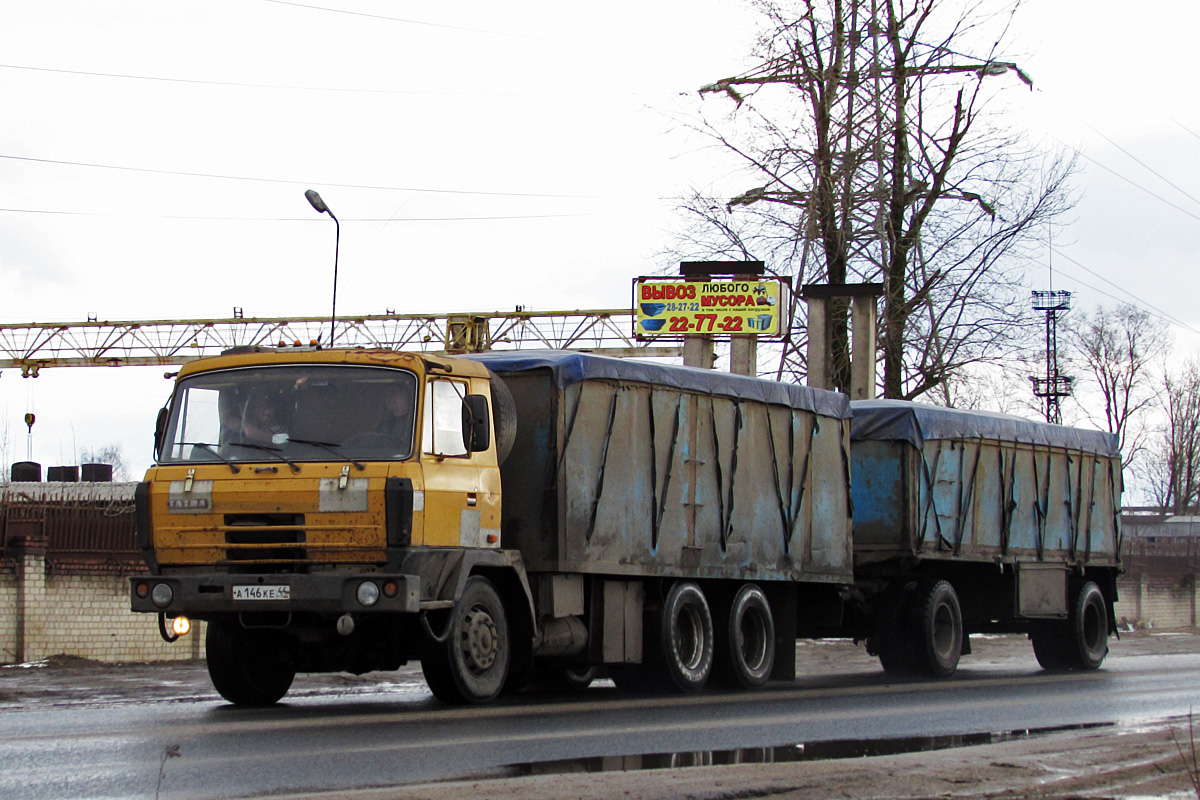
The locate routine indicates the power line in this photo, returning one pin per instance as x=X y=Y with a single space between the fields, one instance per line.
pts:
x=291 y=182
x=285 y=219
x=1132 y=182
x=1144 y=165
x=398 y=19
x=1158 y=312
x=293 y=88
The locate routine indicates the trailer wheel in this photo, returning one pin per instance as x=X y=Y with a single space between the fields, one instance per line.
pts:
x=687 y=636
x=470 y=665
x=890 y=639
x=746 y=639
x=1087 y=629
x=248 y=668
x=935 y=625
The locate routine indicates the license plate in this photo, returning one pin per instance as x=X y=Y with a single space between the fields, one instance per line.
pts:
x=262 y=592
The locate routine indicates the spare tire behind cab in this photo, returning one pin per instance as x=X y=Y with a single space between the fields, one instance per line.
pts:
x=504 y=417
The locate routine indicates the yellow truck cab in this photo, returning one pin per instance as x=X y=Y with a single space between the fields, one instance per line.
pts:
x=300 y=495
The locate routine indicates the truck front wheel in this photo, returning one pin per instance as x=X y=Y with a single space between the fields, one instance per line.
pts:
x=471 y=663
x=248 y=668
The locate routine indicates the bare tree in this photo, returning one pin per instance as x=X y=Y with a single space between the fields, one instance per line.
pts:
x=1117 y=348
x=112 y=454
x=866 y=131
x=5 y=442
x=1174 y=465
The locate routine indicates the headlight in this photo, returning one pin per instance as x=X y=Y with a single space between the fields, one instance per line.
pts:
x=368 y=593
x=180 y=626
x=162 y=595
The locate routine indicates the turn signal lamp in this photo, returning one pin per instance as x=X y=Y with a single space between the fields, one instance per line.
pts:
x=391 y=589
x=143 y=590
x=181 y=626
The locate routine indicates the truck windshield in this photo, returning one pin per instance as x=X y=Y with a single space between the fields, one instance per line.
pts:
x=292 y=413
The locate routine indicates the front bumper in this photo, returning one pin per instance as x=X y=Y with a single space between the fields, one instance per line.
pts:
x=203 y=595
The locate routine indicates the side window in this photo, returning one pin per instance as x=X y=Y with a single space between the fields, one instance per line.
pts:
x=199 y=433
x=442 y=429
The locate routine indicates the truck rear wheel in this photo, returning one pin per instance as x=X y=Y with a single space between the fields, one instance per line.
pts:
x=746 y=641
x=471 y=663
x=1048 y=637
x=936 y=629
x=687 y=636
x=1088 y=626
x=248 y=668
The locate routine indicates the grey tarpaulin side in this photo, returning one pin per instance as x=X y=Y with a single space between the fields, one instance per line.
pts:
x=916 y=423
x=571 y=367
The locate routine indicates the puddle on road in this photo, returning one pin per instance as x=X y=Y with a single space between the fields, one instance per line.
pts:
x=781 y=754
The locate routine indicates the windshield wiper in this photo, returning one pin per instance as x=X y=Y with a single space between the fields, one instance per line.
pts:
x=331 y=447
x=266 y=448
x=212 y=449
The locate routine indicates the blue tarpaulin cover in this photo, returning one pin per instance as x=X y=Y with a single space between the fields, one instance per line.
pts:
x=570 y=367
x=916 y=423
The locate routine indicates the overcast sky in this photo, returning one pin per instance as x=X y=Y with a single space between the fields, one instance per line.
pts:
x=154 y=157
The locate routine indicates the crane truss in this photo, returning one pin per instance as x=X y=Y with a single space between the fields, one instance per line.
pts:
x=31 y=347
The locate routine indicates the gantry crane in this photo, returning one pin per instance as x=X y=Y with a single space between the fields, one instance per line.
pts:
x=31 y=347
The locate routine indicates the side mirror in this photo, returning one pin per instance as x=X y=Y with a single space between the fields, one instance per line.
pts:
x=476 y=424
x=160 y=430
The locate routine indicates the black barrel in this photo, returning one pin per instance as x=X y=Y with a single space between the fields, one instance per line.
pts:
x=62 y=474
x=26 y=472
x=96 y=473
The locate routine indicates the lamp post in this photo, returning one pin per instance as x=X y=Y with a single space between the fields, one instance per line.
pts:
x=317 y=203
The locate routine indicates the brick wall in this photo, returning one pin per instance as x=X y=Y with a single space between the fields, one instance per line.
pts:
x=1157 y=602
x=85 y=615
x=8 y=618
x=66 y=554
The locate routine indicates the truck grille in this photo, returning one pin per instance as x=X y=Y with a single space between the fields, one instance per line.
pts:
x=259 y=537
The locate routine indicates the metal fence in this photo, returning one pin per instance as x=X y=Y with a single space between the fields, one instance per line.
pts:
x=73 y=522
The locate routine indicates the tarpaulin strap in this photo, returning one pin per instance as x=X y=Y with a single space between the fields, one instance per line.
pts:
x=654 y=517
x=733 y=462
x=1091 y=503
x=1007 y=503
x=783 y=510
x=927 y=473
x=612 y=415
x=712 y=415
x=1116 y=507
x=1040 y=504
x=662 y=500
x=964 y=504
x=567 y=438
x=844 y=446
x=799 y=503
x=1072 y=501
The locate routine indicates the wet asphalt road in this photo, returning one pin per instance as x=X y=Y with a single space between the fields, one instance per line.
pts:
x=394 y=733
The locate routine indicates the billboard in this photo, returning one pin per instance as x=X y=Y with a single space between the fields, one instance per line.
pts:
x=666 y=308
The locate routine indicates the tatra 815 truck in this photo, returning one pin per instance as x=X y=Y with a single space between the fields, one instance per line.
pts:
x=557 y=515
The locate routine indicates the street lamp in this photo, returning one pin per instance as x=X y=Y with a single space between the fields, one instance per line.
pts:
x=317 y=203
